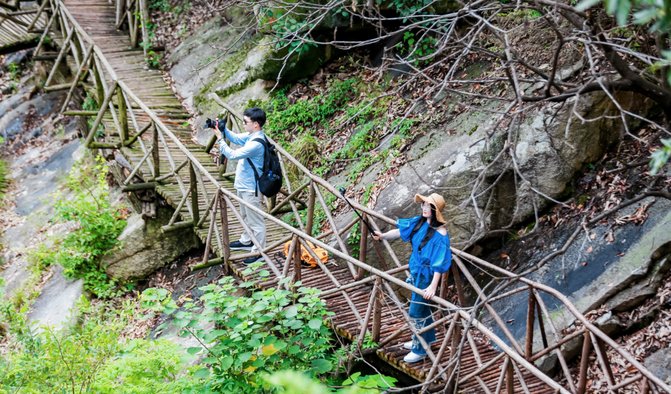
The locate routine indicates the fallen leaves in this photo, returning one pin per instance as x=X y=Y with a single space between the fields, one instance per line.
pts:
x=638 y=217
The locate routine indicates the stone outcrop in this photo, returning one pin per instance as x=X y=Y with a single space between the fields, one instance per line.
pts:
x=548 y=151
x=145 y=248
x=239 y=68
x=613 y=277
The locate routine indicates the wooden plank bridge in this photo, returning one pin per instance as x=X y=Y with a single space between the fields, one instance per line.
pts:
x=139 y=116
x=17 y=29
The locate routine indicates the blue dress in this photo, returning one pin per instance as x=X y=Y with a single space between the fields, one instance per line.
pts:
x=434 y=256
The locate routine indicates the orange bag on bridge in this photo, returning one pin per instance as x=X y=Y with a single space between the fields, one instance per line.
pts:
x=306 y=257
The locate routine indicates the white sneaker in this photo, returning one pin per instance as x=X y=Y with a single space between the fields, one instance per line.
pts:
x=413 y=357
x=408 y=345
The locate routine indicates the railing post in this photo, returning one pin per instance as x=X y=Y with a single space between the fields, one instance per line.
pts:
x=101 y=112
x=377 y=310
x=454 y=346
x=223 y=214
x=311 y=209
x=363 y=246
x=298 y=274
x=584 y=362
x=528 y=349
x=459 y=285
x=123 y=115
x=193 y=186
x=144 y=15
x=155 y=153
x=510 y=387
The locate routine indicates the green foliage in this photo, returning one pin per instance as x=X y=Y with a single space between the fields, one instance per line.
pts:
x=657 y=13
x=417 y=50
x=4 y=177
x=270 y=330
x=405 y=7
x=353 y=240
x=98 y=226
x=160 y=5
x=144 y=367
x=368 y=383
x=14 y=71
x=286 y=119
x=292 y=382
x=90 y=357
x=660 y=157
x=153 y=59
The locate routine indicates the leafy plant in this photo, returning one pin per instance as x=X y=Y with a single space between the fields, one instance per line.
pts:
x=270 y=330
x=98 y=226
x=417 y=49
x=14 y=71
x=89 y=357
x=4 y=177
x=292 y=382
x=660 y=157
x=153 y=59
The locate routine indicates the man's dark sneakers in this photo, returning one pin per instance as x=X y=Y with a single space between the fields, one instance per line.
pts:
x=250 y=260
x=237 y=245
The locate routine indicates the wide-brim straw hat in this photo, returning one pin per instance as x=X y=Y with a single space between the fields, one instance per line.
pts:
x=437 y=201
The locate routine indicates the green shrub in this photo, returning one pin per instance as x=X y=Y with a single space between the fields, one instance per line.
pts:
x=90 y=357
x=270 y=330
x=98 y=225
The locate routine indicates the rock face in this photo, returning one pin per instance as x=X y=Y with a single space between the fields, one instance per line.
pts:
x=458 y=159
x=616 y=276
x=144 y=248
x=659 y=363
x=240 y=69
x=55 y=307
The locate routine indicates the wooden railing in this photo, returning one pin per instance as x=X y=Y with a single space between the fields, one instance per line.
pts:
x=134 y=15
x=137 y=125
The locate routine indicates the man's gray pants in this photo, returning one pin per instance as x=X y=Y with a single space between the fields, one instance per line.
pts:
x=252 y=219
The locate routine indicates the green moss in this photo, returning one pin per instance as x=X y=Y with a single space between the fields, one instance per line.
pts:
x=226 y=69
x=4 y=179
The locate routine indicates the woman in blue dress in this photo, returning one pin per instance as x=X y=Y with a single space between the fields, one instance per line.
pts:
x=430 y=258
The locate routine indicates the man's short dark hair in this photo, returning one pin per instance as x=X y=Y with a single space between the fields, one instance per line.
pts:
x=256 y=115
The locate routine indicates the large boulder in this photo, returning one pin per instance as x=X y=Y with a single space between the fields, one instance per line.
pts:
x=550 y=146
x=239 y=68
x=145 y=248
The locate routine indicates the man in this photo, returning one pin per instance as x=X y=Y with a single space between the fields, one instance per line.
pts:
x=245 y=182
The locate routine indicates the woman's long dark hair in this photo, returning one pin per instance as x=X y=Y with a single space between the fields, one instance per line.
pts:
x=433 y=225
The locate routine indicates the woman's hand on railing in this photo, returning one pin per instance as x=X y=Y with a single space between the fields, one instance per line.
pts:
x=389 y=235
x=377 y=235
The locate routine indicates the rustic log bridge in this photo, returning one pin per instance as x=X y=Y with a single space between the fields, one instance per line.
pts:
x=364 y=298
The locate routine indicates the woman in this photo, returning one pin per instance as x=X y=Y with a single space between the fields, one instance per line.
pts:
x=431 y=257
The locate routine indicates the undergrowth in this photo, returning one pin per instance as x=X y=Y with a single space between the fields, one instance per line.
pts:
x=96 y=227
x=91 y=356
x=4 y=178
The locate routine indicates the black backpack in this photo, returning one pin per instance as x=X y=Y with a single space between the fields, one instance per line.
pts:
x=270 y=180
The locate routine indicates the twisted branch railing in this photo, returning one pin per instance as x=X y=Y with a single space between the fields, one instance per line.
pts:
x=308 y=202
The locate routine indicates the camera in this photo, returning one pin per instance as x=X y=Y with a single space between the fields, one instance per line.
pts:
x=210 y=124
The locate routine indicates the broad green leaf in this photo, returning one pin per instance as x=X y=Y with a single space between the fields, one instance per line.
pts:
x=291 y=311
x=226 y=362
x=321 y=365
x=194 y=350
x=315 y=324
